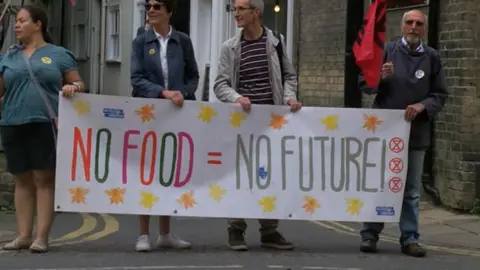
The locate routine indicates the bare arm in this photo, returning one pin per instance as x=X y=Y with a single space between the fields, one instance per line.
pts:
x=71 y=77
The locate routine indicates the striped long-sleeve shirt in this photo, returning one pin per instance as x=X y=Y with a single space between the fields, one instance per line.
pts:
x=254 y=79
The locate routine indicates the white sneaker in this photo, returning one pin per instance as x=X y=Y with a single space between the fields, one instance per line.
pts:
x=143 y=244
x=172 y=241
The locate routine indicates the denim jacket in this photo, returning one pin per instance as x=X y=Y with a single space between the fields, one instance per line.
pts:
x=146 y=68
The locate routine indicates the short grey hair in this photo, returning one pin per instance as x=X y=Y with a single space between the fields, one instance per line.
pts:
x=414 y=10
x=257 y=4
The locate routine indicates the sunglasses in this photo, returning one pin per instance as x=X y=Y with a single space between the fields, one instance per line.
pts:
x=156 y=6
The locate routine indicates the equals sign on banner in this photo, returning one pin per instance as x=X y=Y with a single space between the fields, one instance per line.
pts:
x=213 y=158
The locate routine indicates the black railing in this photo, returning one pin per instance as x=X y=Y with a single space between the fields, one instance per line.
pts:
x=206 y=83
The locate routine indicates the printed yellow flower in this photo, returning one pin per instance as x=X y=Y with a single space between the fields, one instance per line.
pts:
x=371 y=122
x=116 y=195
x=206 y=113
x=310 y=205
x=148 y=200
x=268 y=203
x=46 y=60
x=277 y=121
x=187 y=200
x=146 y=113
x=330 y=122
x=354 y=206
x=217 y=192
x=78 y=195
x=236 y=119
x=82 y=107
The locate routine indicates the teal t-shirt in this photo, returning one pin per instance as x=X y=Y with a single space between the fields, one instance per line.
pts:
x=22 y=101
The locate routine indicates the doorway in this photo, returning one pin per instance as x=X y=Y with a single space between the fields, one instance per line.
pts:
x=181 y=16
x=275 y=15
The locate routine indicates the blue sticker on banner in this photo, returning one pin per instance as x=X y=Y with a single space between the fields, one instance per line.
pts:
x=113 y=113
x=385 y=211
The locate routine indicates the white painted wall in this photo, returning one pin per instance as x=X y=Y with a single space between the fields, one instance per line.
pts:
x=200 y=33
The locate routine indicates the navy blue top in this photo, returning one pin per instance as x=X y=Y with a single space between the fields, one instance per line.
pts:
x=418 y=77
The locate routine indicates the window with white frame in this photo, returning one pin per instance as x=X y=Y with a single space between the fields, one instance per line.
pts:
x=78 y=39
x=113 y=33
x=139 y=16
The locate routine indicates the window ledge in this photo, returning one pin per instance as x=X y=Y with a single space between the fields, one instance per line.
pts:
x=408 y=7
x=113 y=61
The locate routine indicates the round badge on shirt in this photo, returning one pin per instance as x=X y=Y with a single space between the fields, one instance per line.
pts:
x=419 y=74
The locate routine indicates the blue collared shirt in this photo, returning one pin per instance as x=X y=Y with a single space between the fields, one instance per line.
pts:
x=419 y=48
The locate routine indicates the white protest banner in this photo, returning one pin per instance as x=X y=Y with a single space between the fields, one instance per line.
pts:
x=145 y=156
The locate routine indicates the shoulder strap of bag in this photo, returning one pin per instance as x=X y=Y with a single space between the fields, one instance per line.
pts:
x=42 y=93
x=279 y=49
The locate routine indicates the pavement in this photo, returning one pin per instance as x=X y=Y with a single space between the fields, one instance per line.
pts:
x=106 y=242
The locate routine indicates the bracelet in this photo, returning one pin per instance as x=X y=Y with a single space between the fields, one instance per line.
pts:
x=77 y=85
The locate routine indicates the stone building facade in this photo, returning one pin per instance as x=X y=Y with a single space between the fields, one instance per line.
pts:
x=456 y=154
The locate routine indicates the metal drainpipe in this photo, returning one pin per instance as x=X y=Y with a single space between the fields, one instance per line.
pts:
x=299 y=38
x=428 y=179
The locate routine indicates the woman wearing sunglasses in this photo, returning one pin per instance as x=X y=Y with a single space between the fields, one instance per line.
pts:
x=158 y=74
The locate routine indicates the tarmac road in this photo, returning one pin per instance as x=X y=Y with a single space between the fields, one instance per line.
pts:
x=103 y=242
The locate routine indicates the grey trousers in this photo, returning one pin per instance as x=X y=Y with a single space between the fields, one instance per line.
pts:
x=266 y=225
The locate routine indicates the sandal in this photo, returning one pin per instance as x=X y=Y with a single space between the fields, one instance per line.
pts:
x=18 y=243
x=39 y=247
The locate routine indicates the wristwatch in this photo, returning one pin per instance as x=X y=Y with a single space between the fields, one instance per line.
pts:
x=77 y=85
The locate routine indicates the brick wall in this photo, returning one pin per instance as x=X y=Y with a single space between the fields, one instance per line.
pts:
x=457 y=153
x=321 y=68
x=321 y=45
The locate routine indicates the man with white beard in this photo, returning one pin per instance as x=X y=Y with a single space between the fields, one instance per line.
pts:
x=412 y=79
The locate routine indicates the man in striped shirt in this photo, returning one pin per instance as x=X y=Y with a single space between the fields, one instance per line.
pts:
x=252 y=70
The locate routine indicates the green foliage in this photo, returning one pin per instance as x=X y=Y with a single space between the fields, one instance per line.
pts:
x=476 y=208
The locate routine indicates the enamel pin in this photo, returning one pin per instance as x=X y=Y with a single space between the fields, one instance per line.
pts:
x=419 y=74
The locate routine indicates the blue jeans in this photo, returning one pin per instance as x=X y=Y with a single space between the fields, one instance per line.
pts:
x=411 y=199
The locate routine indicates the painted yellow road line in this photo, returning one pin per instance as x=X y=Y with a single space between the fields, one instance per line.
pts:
x=352 y=232
x=111 y=226
x=340 y=225
x=89 y=224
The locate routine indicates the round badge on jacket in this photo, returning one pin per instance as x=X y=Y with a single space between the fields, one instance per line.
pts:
x=419 y=74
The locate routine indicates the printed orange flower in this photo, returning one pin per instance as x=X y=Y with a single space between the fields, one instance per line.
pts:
x=371 y=122
x=146 y=113
x=115 y=195
x=310 y=205
x=78 y=195
x=187 y=200
x=277 y=121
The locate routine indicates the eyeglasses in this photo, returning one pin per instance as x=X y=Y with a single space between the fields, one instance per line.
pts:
x=240 y=9
x=156 y=6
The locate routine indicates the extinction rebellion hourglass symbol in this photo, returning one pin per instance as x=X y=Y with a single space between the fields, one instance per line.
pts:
x=395 y=165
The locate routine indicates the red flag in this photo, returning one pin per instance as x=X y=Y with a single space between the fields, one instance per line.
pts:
x=368 y=48
x=73 y=2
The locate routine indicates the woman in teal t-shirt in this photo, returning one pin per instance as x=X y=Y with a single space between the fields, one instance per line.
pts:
x=32 y=74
